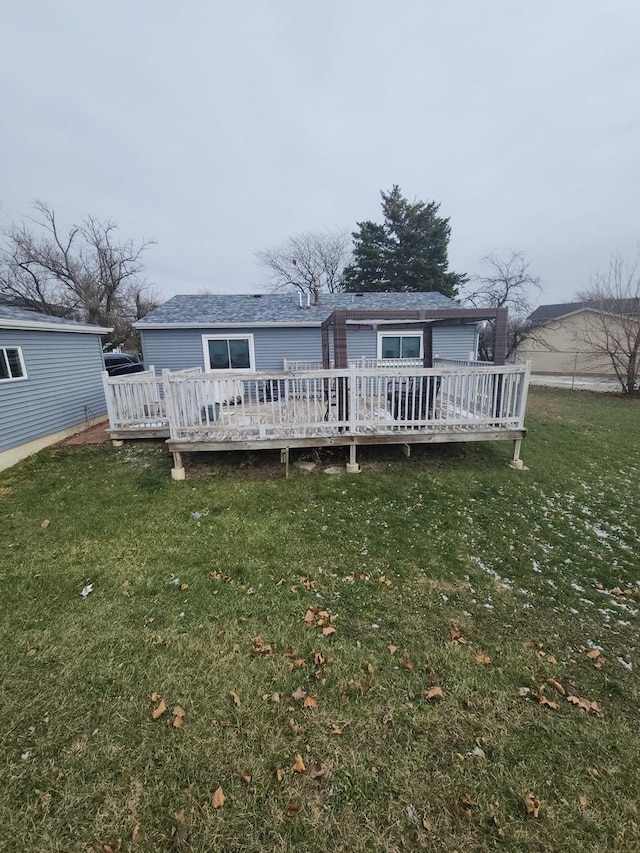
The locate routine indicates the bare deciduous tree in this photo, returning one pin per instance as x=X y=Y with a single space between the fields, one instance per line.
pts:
x=309 y=262
x=83 y=273
x=611 y=330
x=508 y=283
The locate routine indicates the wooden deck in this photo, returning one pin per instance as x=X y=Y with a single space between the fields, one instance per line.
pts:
x=313 y=407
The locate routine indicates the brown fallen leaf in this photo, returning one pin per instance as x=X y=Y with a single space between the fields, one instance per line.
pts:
x=260 y=648
x=316 y=770
x=293 y=809
x=298 y=765
x=426 y=824
x=178 y=717
x=137 y=836
x=310 y=616
x=617 y=591
x=184 y=586
x=405 y=663
x=330 y=629
x=392 y=649
x=159 y=711
x=557 y=686
x=532 y=804
x=593 y=654
x=319 y=659
x=179 y=831
x=45 y=523
x=464 y=807
x=542 y=700
x=298 y=693
x=433 y=677
x=456 y=634
x=294 y=728
x=310 y=702
x=298 y=663
x=279 y=774
x=218 y=799
x=591 y=707
x=275 y=697
x=485 y=660
x=582 y=800
x=31 y=653
x=433 y=693
x=335 y=730
x=235 y=697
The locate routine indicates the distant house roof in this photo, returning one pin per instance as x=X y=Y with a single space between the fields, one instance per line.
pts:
x=544 y=313
x=279 y=310
x=12 y=317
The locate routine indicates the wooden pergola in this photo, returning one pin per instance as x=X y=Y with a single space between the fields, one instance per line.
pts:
x=336 y=323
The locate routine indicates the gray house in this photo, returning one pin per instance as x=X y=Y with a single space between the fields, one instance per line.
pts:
x=50 y=380
x=261 y=331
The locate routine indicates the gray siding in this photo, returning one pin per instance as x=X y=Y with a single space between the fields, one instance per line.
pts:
x=177 y=349
x=454 y=341
x=63 y=385
x=448 y=341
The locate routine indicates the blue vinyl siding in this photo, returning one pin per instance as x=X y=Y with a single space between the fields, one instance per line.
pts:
x=177 y=349
x=448 y=341
x=62 y=389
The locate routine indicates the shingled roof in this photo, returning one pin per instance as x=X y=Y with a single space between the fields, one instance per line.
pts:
x=544 y=313
x=12 y=317
x=277 y=309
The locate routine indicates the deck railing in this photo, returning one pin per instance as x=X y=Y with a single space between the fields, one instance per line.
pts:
x=135 y=401
x=306 y=403
x=364 y=363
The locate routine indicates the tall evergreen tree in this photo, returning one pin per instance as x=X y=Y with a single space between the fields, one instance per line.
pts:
x=408 y=252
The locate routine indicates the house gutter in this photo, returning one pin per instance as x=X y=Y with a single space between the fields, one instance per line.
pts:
x=31 y=325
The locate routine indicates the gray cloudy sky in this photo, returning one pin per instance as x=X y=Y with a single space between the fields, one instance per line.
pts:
x=218 y=129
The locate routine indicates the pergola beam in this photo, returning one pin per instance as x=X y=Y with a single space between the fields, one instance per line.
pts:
x=337 y=321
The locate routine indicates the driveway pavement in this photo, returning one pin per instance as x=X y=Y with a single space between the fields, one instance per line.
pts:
x=583 y=383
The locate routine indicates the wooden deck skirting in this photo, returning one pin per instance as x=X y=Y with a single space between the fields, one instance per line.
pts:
x=353 y=406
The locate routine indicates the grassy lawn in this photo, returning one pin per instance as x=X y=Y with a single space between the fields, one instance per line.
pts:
x=504 y=589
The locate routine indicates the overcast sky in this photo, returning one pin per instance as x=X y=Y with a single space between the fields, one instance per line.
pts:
x=218 y=129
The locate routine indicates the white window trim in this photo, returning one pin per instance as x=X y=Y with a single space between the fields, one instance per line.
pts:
x=246 y=337
x=24 y=376
x=393 y=334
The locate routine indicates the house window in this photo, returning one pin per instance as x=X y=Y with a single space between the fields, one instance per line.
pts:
x=228 y=352
x=399 y=345
x=11 y=364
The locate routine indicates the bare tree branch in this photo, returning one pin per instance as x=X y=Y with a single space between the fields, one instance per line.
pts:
x=307 y=261
x=507 y=284
x=84 y=274
x=611 y=329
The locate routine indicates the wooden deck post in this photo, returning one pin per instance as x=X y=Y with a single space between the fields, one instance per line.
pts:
x=516 y=463
x=177 y=472
x=352 y=464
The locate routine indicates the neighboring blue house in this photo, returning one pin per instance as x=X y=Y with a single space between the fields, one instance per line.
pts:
x=258 y=332
x=50 y=380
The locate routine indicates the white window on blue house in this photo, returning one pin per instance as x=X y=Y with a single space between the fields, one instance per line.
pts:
x=399 y=345
x=229 y=352
x=11 y=364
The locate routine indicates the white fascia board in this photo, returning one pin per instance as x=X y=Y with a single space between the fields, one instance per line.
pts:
x=31 y=325
x=143 y=327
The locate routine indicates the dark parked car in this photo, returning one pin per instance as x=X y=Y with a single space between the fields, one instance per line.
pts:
x=119 y=363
